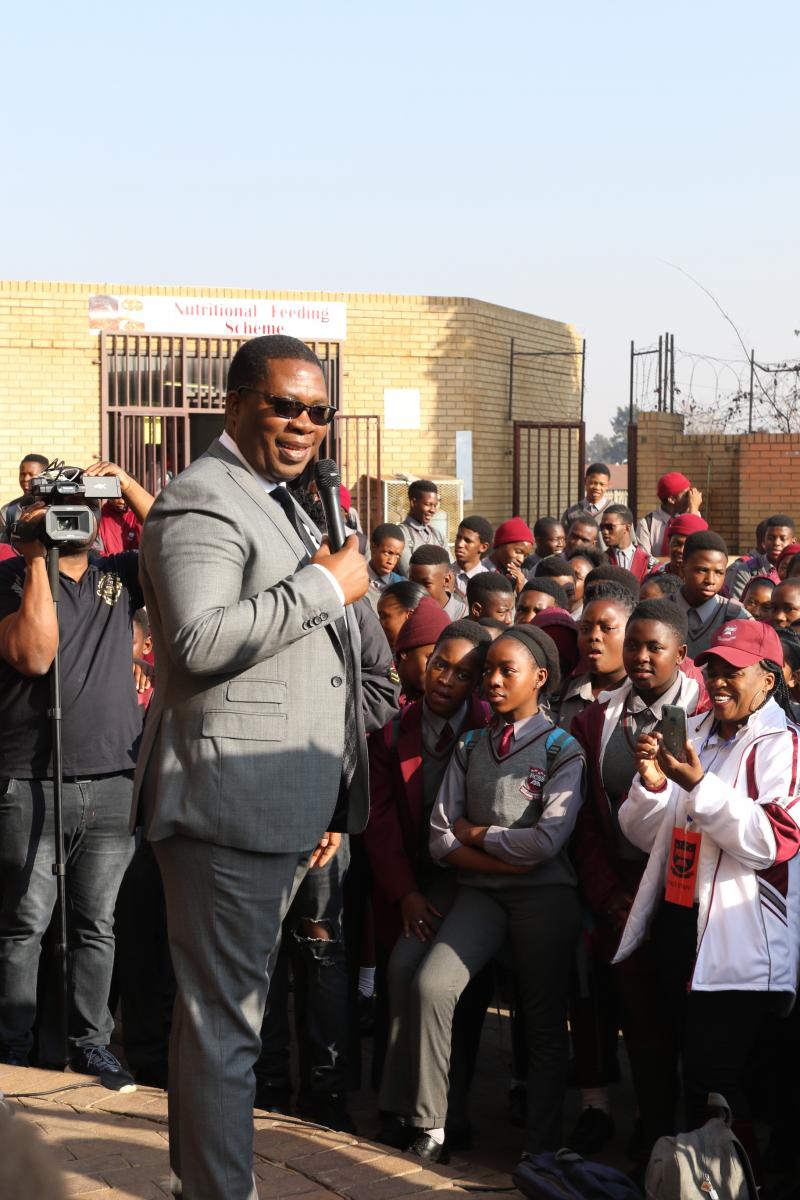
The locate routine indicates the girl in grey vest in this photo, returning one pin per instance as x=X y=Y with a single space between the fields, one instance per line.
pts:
x=502 y=818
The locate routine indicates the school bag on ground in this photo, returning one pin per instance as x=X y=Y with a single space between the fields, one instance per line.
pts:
x=566 y=1176
x=709 y=1163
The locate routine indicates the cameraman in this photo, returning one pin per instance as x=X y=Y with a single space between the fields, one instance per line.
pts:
x=101 y=726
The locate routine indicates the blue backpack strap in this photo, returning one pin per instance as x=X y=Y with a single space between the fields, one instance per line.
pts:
x=472 y=737
x=557 y=740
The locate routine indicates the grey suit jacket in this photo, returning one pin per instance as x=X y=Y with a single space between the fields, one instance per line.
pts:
x=244 y=738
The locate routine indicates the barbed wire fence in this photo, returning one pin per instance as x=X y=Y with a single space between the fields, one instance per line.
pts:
x=715 y=395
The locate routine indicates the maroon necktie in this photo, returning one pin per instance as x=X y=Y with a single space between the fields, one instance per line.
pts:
x=445 y=739
x=505 y=741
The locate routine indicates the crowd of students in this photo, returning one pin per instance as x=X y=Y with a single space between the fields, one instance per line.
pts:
x=529 y=823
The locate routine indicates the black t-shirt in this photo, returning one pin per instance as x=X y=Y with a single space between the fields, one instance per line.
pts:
x=102 y=721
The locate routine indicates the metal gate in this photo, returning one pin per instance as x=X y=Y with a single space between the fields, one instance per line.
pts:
x=549 y=463
x=163 y=403
x=163 y=398
x=354 y=441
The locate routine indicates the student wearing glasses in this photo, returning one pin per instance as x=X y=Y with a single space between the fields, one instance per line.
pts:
x=616 y=526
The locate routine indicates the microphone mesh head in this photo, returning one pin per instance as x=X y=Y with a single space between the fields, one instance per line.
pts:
x=326 y=474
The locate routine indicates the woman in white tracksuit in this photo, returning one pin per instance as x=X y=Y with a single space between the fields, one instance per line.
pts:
x=720 y=895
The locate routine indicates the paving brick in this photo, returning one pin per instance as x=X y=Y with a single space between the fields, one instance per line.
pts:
x=283 y=1181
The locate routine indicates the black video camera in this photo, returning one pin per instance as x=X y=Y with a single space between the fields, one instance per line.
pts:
x=69 y=523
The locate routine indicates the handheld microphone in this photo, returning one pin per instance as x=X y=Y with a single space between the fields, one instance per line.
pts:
x=328 y=481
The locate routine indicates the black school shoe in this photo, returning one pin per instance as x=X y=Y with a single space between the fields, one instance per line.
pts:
x=330 y=1111
x=591 y=1132
x=426 y=1148
x=394 y=1132
x=99 y=1061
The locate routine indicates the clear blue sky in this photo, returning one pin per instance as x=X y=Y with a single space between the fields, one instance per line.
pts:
x=544 y=156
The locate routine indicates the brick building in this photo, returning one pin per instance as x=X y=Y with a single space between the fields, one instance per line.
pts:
x=414 y=376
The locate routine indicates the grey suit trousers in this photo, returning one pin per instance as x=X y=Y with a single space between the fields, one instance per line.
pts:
x=224 y=912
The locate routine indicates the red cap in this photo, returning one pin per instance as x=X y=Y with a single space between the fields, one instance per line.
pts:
x=672 y=484
x=685 y=524
x=788 y=552
x=742 y=643
x=423 y=627
x=514 y=530
x=345 y=498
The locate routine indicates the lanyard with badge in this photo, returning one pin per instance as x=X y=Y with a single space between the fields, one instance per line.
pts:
x=684 y=852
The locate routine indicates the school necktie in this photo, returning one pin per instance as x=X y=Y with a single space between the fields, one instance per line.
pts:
x=506 y=739
x=350 y=750
x=445 y=739
x=695 y=620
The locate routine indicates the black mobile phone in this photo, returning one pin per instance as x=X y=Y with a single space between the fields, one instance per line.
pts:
x=673 y=730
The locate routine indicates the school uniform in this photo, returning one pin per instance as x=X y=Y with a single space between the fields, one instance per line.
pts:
x=405 y=771
x=408 y=760
x=743 y=570
x=610 y=866
x=416 y=534
x=705 y=619
x=529 y=798
x=378 y=584
x=456 y=606
x=462 y=577
x=633 y=559
x=650 y=531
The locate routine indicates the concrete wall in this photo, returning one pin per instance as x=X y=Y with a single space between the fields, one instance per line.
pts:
x=454 y=350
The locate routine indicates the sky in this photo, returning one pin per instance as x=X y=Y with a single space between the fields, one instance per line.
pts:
x=551 y=157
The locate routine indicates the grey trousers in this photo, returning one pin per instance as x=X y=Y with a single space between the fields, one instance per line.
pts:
x=542 y=925
x=224 y=914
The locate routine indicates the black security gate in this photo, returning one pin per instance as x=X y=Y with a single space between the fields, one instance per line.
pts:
x=549 y=464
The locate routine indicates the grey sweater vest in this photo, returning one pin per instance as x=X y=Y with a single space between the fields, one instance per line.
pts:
x=509 y=792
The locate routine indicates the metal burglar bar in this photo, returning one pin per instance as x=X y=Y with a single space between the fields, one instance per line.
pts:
x=549 y=463
x=355 y=443
x=163 y=397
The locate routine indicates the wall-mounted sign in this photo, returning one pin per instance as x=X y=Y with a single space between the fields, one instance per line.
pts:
x=401 y=409
x=219 y=316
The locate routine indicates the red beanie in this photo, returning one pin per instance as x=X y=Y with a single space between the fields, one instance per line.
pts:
x=559 y=625
x=685 y=524
x=345 y=499
x=514 y=530
x=672 y=484
x=788 y=552
x=423 y=627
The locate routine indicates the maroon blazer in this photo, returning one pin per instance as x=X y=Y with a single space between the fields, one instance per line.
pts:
x=393 y=835
x=641 y=563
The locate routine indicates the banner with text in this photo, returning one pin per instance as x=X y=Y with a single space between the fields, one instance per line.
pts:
x=214 y=316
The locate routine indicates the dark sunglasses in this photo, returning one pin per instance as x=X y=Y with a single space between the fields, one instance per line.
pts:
x=289 y=409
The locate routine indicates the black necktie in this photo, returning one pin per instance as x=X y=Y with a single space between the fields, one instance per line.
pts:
x=350 y=751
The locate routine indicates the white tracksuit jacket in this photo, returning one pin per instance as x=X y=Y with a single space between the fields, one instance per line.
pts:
x=748 y=879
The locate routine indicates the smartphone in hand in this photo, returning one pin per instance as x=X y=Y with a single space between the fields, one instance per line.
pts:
x=673 y=730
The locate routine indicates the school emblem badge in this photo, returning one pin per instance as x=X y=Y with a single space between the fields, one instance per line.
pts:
x=684 y=857
x=532 y=787
x=109 y=588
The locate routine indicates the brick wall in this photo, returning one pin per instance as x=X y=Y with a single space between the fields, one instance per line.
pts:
x=454 y=350
x=743 y=477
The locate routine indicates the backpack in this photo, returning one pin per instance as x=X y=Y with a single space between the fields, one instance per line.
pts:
x=557 y=740
x=709 y=1163
x=566 y=1176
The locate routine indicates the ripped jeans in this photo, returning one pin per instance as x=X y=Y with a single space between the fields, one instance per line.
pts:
x=312 y=943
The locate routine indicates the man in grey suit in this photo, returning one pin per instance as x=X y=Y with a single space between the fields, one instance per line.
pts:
x=253 y=755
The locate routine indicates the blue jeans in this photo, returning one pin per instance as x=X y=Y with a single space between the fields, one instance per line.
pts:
x=97 y=850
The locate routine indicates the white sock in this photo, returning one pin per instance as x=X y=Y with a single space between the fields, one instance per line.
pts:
x=175 y=1186
x=366 y=981
x=436 y=1135
x=596 y=1098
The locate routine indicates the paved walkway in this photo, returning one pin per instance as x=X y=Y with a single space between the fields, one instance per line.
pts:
x=114 y=1147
